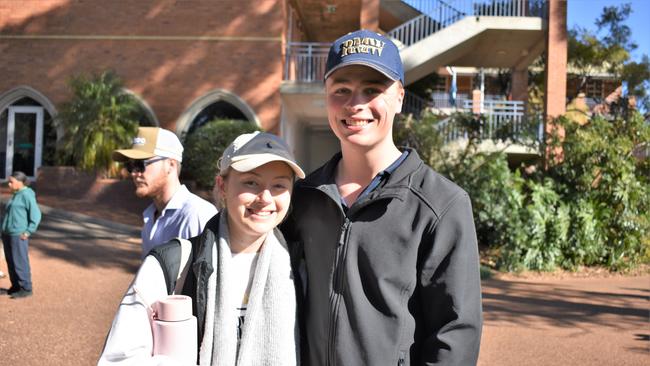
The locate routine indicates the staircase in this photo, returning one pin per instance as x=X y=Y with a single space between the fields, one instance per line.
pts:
x=437 y=15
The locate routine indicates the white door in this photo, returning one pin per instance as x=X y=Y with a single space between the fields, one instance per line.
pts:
x=24 y=140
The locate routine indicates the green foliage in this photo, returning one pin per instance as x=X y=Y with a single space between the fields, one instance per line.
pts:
x=608 y=49
x=423 y=136
x=602 y=177
x=98 y=119
x=637 y=75
x=204 y=146
x=545 y=219
x=590 y=209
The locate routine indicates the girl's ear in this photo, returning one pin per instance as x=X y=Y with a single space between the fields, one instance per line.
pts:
x=220 y=191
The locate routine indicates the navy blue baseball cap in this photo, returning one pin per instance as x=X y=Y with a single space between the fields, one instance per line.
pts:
x=366 y=48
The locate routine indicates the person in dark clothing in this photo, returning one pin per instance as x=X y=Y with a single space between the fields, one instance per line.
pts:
x=389 y=245
x=21 y=218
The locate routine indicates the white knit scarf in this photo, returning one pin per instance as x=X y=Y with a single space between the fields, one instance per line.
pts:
x=270 y=331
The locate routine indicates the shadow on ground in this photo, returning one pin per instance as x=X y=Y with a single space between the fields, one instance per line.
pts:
x=555 y=305
x=87 y=242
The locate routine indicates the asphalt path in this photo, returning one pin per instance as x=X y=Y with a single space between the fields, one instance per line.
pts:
x=81 y=266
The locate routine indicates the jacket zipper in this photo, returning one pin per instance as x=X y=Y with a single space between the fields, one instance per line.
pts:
x=402 y=358
x=337 y=290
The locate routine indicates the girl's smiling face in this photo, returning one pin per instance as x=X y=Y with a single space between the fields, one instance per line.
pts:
x=256 y=201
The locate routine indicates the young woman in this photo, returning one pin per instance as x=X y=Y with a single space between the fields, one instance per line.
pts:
x=245 y=299
x=21 y=218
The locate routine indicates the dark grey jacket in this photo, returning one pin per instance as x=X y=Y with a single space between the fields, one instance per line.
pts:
x=395 y=280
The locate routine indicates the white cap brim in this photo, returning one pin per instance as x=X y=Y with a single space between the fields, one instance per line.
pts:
x=246 y=163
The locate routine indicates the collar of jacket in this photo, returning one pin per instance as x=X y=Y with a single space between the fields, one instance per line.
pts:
x=323 y=180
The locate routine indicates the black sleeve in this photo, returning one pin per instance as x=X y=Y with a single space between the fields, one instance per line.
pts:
x=450 y=290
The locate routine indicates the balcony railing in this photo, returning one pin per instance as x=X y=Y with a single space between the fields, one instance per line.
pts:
x=502 y=120
x=306 y=61
x=439 y=14
x=414 y=104
x=441 y=100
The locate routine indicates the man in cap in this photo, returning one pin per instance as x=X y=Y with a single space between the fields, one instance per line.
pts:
x=154 y=163
x=389 y=245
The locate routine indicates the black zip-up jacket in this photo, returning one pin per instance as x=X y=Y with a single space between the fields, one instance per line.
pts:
x=394 y=280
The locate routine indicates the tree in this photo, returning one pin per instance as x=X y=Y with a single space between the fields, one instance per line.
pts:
x=608 y=49
x=99 y=118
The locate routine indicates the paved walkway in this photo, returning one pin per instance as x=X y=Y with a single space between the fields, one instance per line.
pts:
x=81 y=267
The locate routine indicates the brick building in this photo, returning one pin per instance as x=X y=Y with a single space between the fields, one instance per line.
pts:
x=190 y=60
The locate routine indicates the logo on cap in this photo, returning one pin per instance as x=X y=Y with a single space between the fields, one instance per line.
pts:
x=367 y=45
x=139 y=141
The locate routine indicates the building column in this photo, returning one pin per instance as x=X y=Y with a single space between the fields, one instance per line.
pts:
x=556 y=69
x=519 y=86
x=369 y=15
x=556 y=59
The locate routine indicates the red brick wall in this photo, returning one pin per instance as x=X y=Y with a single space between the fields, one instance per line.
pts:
x=153 y=45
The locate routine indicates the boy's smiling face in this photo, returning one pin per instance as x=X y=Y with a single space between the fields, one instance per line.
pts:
x=361 y=105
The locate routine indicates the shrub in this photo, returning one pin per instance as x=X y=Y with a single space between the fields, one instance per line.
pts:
x=98 y=119
x=588 y=209
x=609 y=186
x=204 y=146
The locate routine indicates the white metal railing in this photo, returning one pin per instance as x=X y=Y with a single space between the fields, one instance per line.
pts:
x=501 y=120
x=414 y=104
x=439 y=14
x=442 y=100
x=503 y=116
x=306 y=61
x=528 y=128
x=481 y=7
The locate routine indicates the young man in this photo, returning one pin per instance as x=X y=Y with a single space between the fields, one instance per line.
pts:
x=154 y=162
x=392 y=269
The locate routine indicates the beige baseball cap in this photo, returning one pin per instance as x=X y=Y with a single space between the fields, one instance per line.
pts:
x=252 y=150
x=150 y=142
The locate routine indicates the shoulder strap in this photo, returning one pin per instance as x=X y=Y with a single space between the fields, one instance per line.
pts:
x=173 y=257
x=184 y=265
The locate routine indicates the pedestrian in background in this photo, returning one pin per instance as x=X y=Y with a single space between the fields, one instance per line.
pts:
x=21 y=218
x=154 y=163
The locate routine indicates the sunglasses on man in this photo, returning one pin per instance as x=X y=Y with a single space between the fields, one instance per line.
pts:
x=139 y=166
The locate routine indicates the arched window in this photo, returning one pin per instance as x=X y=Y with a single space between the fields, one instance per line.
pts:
x=28 y=135
x=217 y=110
x=147 y=115
x=218 y=104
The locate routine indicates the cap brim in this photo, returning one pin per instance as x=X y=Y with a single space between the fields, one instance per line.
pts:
x=363 y=63
x=246 y=165
x=131 y=154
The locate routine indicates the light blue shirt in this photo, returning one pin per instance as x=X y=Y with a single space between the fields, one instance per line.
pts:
x=184 y=216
